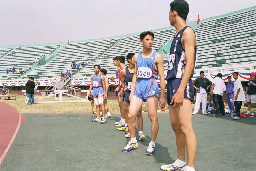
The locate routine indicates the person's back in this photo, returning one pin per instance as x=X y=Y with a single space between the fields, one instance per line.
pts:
x=30 y=85
x=219 y=87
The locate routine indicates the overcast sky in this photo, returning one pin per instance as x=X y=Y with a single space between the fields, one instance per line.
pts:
x=52 y=21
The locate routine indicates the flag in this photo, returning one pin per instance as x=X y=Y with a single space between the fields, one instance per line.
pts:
x=198 y=19
x=68 y=41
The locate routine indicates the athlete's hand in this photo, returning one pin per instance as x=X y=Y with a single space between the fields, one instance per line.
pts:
x=112 y=78
x=236 y=97
x=178 y=99
x=120 y=94
x=117 y=89
x=162 y=102
x=89 y=94
x=105 y=96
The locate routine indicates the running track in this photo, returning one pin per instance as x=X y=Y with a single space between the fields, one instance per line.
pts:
x=10 y=121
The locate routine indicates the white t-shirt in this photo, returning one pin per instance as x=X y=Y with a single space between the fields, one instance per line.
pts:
x=219 y=87
x=241 y=96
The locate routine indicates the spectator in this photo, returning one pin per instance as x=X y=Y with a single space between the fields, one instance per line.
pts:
x=7 y=71
x=4 y=89
x=251 y=93
x=13 y=70
x=30 y=85
x=62 y=74
x=238 y=96
x=218 y=87
x=229 y=92
x=201 y=85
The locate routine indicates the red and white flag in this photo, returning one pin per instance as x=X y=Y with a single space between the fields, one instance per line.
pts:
x=198 y=19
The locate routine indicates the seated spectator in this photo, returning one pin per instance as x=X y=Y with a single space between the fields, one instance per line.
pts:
x=13 y=70
x=4 y=89
x=7 y=71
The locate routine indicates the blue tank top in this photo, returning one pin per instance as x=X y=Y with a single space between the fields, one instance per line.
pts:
x=176 y=59
x=128 y=80
x=97 y=81
x=146 y=67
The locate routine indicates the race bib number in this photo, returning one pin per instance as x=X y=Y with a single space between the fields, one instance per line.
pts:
x=95 y=83
x=117 y=81
x=171 y=60
x=129 y=86
x=144 y=72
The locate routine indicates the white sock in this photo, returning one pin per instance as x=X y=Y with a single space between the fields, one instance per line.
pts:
x=133 y=140
x=140 y=133
x=108 y=113
x=125 y=125
x=123 y=121
x=190 y=168
x=180 y=162
x=153 y=143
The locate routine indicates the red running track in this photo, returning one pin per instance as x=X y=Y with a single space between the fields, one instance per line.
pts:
x=10 y=121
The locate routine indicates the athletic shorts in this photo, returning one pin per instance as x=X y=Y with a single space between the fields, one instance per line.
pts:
x=97 y=91
x=251 y=98
x=146 y=88
x=172 y=87
x=127 y=96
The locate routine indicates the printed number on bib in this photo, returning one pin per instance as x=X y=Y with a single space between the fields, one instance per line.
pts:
x=117 y=81
x=95 y=83
x=144 y=72
x=129 y=86
x=171 y=59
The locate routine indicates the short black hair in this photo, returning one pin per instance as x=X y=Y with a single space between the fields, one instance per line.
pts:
x=219 y=75
x=181 y=7
x=129 y=56
x=145 y=33
x=97 y=66
x=115 y=58
x=235 y=73
x=121 y=59
x=201 y=72
x=229 y=76
x=104 y=71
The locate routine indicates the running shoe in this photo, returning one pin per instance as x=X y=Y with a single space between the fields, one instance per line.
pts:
x=108 y=115
x=102 y=120
x=174 y=166
x=130 y=146
x=123 y=128
x=119 y=122
x=127 y=134
x=142 y=137
x=186 y=168
x=150 y=150
x=96 y=120
x=120 y=125
x=250 y=114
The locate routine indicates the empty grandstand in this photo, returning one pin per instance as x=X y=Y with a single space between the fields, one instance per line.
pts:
x=225 y=44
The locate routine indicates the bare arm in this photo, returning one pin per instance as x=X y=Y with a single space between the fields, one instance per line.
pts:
x=103 y=84
x=107 y=84
x=160 y=68
x=122 y=81
x=134 y=79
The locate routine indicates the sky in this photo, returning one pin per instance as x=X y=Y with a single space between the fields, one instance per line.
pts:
x=26 y=22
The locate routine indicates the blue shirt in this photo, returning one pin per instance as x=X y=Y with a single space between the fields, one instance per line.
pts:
x=230 y=87
x=251 y=88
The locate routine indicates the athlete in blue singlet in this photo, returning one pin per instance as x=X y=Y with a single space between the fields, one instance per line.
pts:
x=148 y=64
x=126 y=83
x=98 y=86
x=181 y=62
x=106 y=80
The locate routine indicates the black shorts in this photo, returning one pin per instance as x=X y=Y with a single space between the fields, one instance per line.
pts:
x=127 y=96
x=172 y=87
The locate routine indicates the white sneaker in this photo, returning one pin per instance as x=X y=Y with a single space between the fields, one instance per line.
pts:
x=142 y=137
x=236 y=117
x=187 y=168
x=174 y=166
x=150 y=150
x=194 y=113
x=205 y=113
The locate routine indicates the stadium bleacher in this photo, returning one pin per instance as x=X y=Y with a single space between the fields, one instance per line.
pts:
x=222 y=42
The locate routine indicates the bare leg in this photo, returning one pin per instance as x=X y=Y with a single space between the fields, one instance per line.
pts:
x=120 y=101
x=249 y=106
x=152 y=114
x=135 y=105
x=102 y=105
x=126 y=111
x=182 y=125
x=92 y=103
x=98 y=111
x=140 y=119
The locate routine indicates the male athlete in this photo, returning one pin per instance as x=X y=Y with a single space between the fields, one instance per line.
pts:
x=98 y=85
x=106 y=80
x=180 y=95
x=127 y=73
x=148 y=64
x=117 y=81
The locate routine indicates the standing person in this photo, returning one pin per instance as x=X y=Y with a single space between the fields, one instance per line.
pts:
x=238 y=96
x=127 y=74
x=229 y=92
x=30 y=85
x=251 y=93
x=106 y=108
x=117 y=81
x=218 y=87
x=201 y=85
x=98 y=86
x=148 y=64
x=180 y=91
